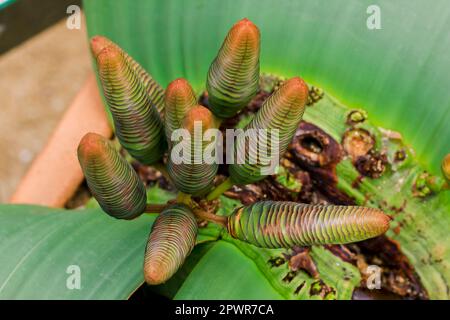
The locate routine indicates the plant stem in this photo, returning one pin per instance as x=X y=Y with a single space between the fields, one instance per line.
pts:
x=217 y=121
x=161 y=168
x=155 y=208
x=199 y=213
x=184 y=198
x=220 y=189
x=211 y=217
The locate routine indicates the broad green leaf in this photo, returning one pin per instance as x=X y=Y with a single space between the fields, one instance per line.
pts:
x=39 y=245
x=234 y=277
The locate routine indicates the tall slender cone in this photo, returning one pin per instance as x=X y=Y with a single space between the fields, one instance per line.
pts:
x=138 y=124
x=111 y=179
x=171 y=239
x=271 y=224
x=282 y=111
x=189 y=170
x=446 y=167
x=154 y=89
x=179 y=99
x=233 y=76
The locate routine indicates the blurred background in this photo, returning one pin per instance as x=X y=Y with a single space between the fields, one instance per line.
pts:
x=43 y=64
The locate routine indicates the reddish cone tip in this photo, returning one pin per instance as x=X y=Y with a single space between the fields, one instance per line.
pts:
x=377 y=221
x=109 y=55
x=179 y=86
x=298 y=85
x=153 y=274
x=92 y=144
x=178 y=83
x=245 y=23
x=98 y=43
x=243 y=32
x=295 y=88
x=198 y=113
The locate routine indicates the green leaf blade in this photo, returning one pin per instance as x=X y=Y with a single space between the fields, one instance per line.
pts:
x=110 y=256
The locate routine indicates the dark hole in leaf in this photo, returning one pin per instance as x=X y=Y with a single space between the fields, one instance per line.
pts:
x=299 y=288
x=290 y=276
x=311 y=144
x=276 y=261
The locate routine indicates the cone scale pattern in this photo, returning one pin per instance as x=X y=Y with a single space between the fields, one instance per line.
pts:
x=111 y=179
x=138 y=125
x=154 y=90
x=193 y=175
x=233 y=76
x=179 y=99
x=282 y=111
x=171 y=239
x=270 y=224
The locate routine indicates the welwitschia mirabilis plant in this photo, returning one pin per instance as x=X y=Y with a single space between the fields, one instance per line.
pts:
x=233 y=80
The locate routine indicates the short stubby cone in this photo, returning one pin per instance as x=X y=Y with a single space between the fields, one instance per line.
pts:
x=138 y=125
x=171 y=239
x=111 y=179
x=281 y=113
x=233 y=76
x=271 y=224
x=191 y=164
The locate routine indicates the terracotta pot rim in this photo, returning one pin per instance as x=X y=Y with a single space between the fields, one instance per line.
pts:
x=55 y=174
